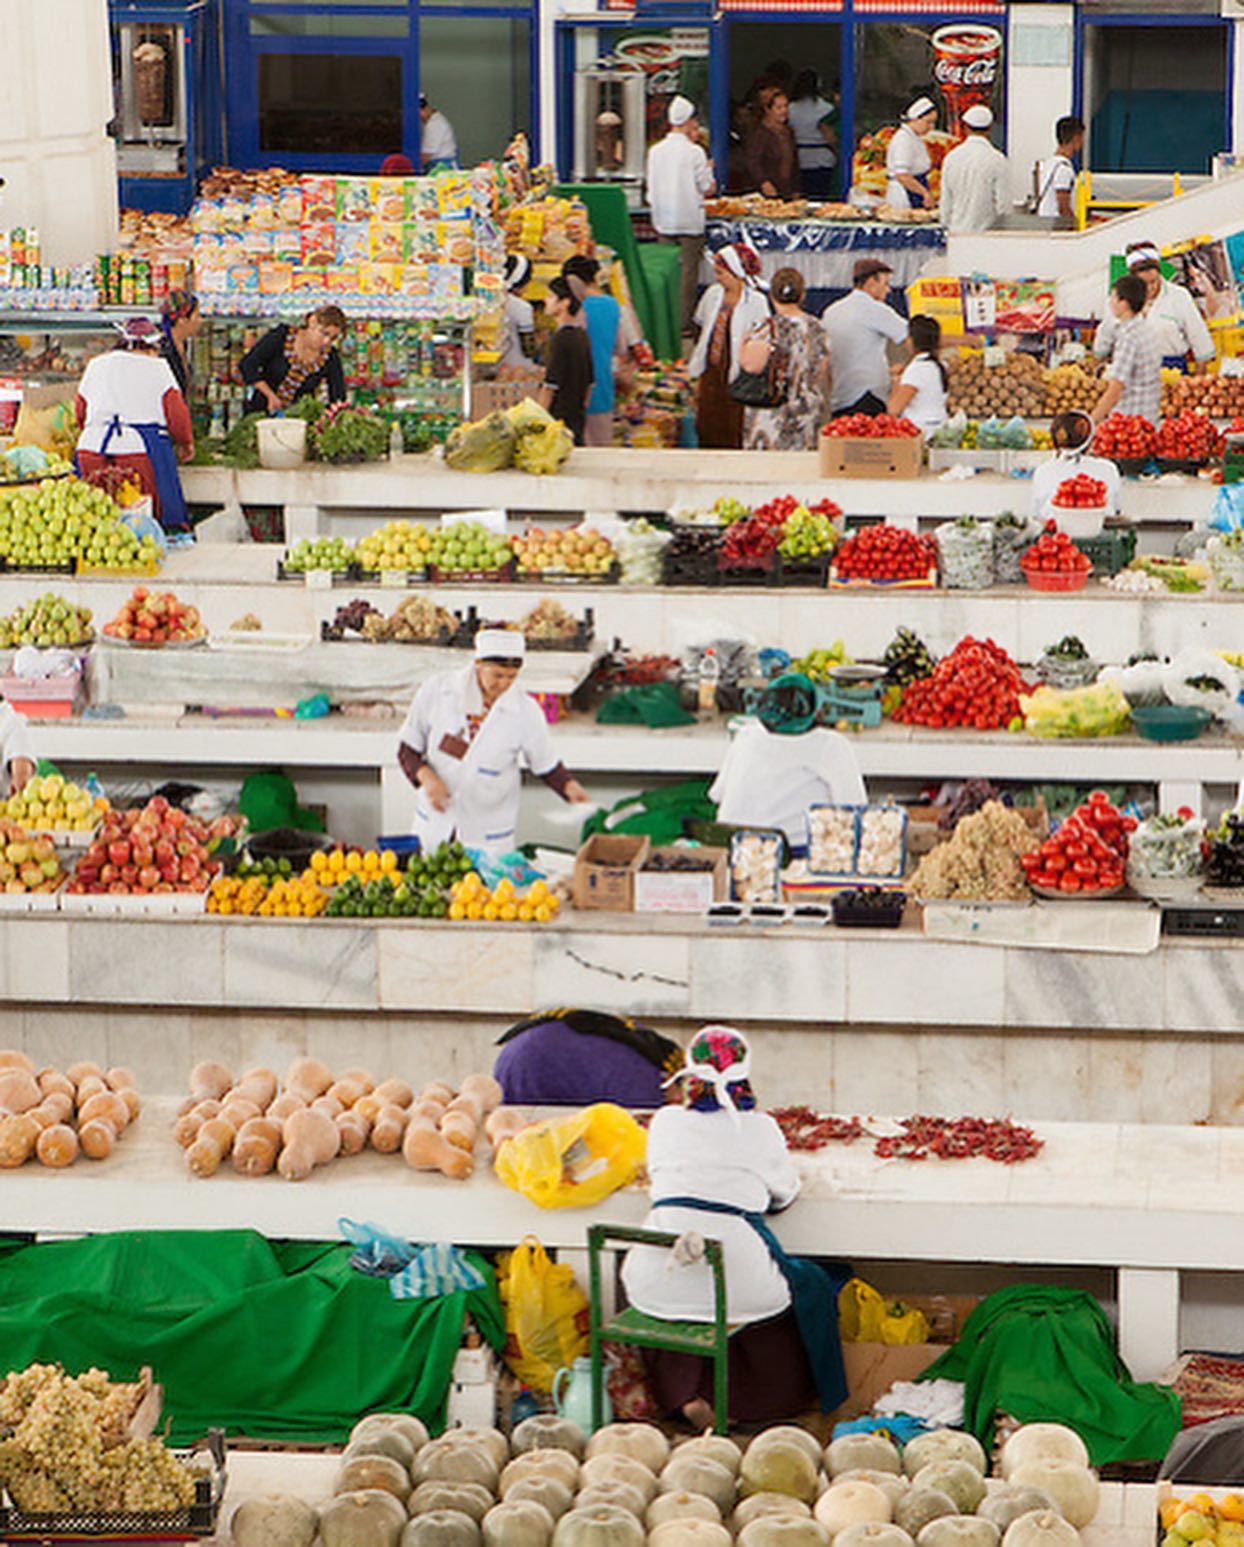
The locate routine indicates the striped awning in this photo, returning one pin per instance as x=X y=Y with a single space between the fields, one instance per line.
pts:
x=932 y=7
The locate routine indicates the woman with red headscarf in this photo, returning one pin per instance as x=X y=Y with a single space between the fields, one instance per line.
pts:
x=180 y=321
x=733 y=307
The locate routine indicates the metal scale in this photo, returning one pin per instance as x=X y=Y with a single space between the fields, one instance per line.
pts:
x=852 y=696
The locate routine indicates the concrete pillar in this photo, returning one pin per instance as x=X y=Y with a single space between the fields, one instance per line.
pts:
x=59 y=166
x=1040 y=85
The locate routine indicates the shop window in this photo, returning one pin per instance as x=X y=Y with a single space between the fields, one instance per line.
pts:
x=778 y=52
x=477 y=71
x=330 y=103
x=1156 y=97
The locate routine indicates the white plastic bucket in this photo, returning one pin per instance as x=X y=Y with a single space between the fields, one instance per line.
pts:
x=282 y=443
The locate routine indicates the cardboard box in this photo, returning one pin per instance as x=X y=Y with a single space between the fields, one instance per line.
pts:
x=682 y=891
x=488 y=396
x=872 y=1368
x=604 y=872
x=862 y=456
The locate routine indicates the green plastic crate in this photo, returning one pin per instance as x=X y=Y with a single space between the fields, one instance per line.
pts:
x=1112 y=551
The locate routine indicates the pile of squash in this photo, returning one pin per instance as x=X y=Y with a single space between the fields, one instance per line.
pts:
x=310 y=1118
x=54 y=1116
x=626 y=1487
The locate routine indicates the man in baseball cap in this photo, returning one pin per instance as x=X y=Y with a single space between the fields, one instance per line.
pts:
x=858 y=327
x=975 y=178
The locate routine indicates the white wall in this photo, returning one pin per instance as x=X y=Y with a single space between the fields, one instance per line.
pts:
x=59 y=167
x=1037 y=93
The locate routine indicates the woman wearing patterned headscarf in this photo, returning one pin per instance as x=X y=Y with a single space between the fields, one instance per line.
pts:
x=732 y=307
x=180 y=321
x=717 y=1168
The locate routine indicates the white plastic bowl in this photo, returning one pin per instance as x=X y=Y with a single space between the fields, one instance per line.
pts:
x=1087 y=521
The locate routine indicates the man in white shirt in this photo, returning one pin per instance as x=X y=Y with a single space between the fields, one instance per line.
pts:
x=1169 y=308
x=679 y=179
x=1056 y=176
x=857 y=327
x=974 y=178
x=438 y=144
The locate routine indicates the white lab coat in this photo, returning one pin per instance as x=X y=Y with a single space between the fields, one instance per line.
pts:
x=974 y=186
x=484 y=784
x=1067 y=464
x=740 y=1159
x=1175 y=318
x=752 y=311
x=906 y=152
x=15 y=741
x=770 y=780
x=679 y=179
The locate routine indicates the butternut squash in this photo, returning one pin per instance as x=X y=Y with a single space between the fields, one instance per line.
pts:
x=238 y=1110
x=285 y=1105
x=359 y=1077
x=53 y=1080
x=424 y=1149
x=308 y=1078
x=257 y=1085
x=394 y=1091
x=107 y=1105
x=19 y=1091
x=58 y=1104
x=346 y=1092
x=10 y=1058
x=388 y=1129
x=504 y=1123
x=91 y=1085
x=83 y=1071
x=485 y=1088
x=310 y=1140
x=354 y=1130
x=329 y=1106
x=459 y=1128
x=256 y=1147
x=119 y=1078
x=214 y=1141
x=439 y=1092
x=95 y=1139
x=208 y=1081
x=18 y=1136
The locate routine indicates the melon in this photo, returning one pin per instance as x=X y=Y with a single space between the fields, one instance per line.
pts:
x=371 y=1518
x=603 y=1525
x=779 y=1466
x=558 y=1464
x=1042 y=1528
x=403 y=1423
x=680 y=1506
x=963 y=1483
x=943 y=1445
x=450 y=1461
x=379 y=1440
x=1041 y=1442
x=466 y=1498
x=642 y=1442
x=1005 y=1505
x=795 y=1435
x=550 y=1492
x=690 y=1533
x=716 y=1447
x=517 y=1523
x=619 y=1468
x=699 y=1474
x=891 y=1484
x=784 y=1531
x=876 y=1533
x=856 y=1452
x=850 y=1504
x=359 y=1473
x=442 y=1528
x=1074 y=1488
x=624 y=1495
x=920 y=1505
x=761 y=1504
x=492 y=1440
x=959 y=1531
x=546 y=1431
x=279 y=1520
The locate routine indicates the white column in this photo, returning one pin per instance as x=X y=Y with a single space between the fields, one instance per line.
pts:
x=1148 y=1320
x=1040 y=85
x=1237 y=77
x=60 y=167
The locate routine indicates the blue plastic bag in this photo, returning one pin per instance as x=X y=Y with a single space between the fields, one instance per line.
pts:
x=377 y=1253
x=146 y=526
x=435 y=1270
x=513 y=866
x=898 y=1427
x=1228 y=512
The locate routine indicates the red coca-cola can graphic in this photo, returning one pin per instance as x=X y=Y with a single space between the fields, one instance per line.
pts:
x=966 y=59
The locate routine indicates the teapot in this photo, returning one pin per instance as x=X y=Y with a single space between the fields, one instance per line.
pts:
x=572 y=1395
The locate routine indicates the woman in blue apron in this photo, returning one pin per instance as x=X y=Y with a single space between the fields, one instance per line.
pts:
x=717 y=1168
x=907 y=159
x=133 y=416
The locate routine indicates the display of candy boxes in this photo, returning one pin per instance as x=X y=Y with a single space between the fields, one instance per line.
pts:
x=854 y=842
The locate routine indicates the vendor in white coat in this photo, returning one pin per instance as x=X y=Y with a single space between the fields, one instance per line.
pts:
x=1072 y=435
x=782 y=762
x=17 y=757
x=468 y=735
x=907 y=159
x=974 y=177
x=1171 y=311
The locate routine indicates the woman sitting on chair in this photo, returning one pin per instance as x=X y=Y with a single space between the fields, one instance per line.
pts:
x=717 y=1167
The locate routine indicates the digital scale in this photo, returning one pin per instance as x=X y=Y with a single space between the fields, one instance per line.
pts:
x=1215 y=920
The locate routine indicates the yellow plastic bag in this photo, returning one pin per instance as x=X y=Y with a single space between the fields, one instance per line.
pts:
x=576 y=1161
x=546 y=1314
x=50 y=426
x=864 y=1317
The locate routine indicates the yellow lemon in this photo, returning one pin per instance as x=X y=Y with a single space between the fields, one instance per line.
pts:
x=388 y=861
x=491 y=911
x=509 y=912
x=457 y=911
x=543 y=914
x=354 y=862
x=475 y=910
x=539 y=891
x=526 y=912
x=319 y=861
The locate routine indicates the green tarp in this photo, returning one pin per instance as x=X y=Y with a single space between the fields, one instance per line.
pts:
x=271 y=1339
x=1047 y=1354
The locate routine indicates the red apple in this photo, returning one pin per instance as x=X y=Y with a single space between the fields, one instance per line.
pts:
x=164 y=852
x=148 y=877
x=119 y=852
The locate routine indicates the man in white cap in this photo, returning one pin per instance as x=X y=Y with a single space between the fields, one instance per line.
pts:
x=469 y=733
x=1170 y=310
x=679 y=179
x=907 y=159
x=974 y=177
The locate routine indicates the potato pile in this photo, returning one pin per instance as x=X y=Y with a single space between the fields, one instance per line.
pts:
x=1072 y=386
x=311 y=1118
x=1221 y=397
x=1001 y=391
x=52 y=1117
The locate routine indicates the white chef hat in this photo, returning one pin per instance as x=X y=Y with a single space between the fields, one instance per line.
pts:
x=978 y=117
x=680 y=110
x=500 y=644
x=1143 y=255
x=919 y=108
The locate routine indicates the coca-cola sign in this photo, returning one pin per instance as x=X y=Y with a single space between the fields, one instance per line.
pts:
x=976 y=72
x=966 y=60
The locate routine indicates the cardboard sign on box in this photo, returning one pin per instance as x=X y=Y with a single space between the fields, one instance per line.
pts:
x=865 y=456
x=682 y=891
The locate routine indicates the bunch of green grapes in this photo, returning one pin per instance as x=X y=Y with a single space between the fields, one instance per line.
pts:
x=143 y=1475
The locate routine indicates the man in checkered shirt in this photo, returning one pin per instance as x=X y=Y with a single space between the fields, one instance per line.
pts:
x=1134 y=378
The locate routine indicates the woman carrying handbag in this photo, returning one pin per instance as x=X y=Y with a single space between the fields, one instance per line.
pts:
x=795 y=364
x=733 y=307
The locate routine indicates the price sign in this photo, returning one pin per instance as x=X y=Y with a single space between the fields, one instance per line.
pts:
x=318 y=579
x=394 y=579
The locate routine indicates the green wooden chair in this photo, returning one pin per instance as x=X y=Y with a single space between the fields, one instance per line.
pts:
x=708 y=1339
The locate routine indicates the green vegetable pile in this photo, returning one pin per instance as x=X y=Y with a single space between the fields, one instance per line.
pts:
x=345 y=434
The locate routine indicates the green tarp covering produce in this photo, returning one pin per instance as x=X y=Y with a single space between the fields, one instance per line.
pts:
x=274 y=1339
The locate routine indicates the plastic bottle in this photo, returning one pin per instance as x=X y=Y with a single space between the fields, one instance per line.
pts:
x=396 y=443
x=710 y=673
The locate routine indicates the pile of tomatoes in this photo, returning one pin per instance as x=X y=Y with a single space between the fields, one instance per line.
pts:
x=977 y=685
x=1055 y=553
x=1088 y=853
x=872 y=427
x=1129 y=437
x=885 y=553
x=1189 y=437
x=1080 y=493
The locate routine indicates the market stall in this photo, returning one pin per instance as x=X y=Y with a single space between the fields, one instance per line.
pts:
x=825 y=251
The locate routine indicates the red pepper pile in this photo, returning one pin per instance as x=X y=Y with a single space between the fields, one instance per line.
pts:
x=1088 y=853
x=1189 y=437
x=976 y=685
x=804 y=1129
x=872 y=427
x=1127 y=436
x=885 y=553
x=1080 y=493
x=947 y=1138
x=639 y=670
x=750 y=541
x=1055 y=553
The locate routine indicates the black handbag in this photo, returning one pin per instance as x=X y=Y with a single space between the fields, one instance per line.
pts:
x=763 y=378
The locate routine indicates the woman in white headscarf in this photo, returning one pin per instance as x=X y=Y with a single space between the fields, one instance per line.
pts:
x=733 y=307
x=469 y=734
x=907 y=159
